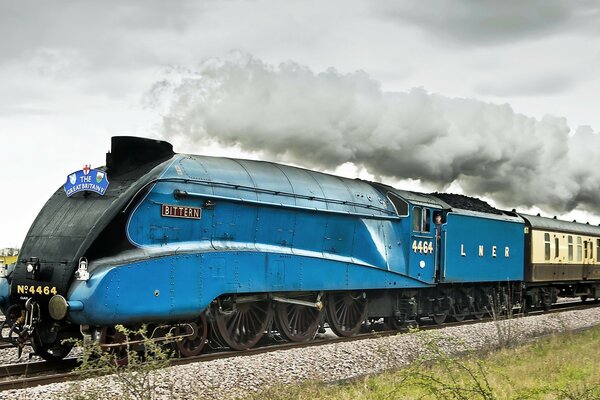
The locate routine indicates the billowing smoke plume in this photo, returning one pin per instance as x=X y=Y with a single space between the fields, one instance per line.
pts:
x=322 y=120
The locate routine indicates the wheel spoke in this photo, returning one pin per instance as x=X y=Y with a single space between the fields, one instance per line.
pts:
x=342 y=315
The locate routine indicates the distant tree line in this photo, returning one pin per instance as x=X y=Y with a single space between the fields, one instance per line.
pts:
x=9 y=251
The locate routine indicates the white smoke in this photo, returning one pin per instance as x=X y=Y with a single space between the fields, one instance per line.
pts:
x=322 y=120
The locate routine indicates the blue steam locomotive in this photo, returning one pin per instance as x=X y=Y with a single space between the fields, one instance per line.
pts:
x=191 y=244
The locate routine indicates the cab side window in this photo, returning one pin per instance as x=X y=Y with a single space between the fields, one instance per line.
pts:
x=421 y=221
x=400 y=205
x=416 y=219
x=426 y=225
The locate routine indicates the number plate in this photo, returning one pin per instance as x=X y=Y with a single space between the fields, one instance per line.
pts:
x=40 y=290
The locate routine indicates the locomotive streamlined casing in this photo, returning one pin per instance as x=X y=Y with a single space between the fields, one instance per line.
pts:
x=262 y=227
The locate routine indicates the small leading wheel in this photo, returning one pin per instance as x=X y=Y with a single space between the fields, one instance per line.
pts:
x=192 y=345
x=346 y=312
x=51 y=352
x=245 y=324
x=298 y=323
x=114 y=343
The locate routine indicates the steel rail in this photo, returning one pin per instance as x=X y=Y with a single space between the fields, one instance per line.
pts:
x=22 y=375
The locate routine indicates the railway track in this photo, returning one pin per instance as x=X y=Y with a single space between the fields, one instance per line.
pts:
x=25 y=375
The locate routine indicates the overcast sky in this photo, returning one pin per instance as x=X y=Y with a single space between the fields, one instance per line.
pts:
x=476 y=77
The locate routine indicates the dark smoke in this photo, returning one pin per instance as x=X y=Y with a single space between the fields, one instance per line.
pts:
x=322 y=120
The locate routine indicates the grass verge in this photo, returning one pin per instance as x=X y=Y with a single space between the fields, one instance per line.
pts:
x=565 y=366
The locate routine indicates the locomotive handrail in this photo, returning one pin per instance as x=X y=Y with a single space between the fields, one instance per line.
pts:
x=182 y=193
x=445 y=257
x=179 y=193
x=293 y=195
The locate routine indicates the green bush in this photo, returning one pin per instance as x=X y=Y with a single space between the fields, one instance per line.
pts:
x=131 y=368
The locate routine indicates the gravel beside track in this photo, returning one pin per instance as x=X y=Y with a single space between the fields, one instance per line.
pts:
x=235 y=377
x=9 y=356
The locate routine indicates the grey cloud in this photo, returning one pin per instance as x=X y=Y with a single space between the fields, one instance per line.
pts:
x=322 y=120
x=100 y=29
x=539 y=85
x=490 y=22
x=12 y=110
x=89 y=49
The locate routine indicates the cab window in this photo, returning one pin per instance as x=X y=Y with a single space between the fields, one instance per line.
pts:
x=400 y=205
x=426 y=225
x=416 y=218
x=421 y=221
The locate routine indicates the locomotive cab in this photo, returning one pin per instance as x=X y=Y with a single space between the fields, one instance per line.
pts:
x=424 y=246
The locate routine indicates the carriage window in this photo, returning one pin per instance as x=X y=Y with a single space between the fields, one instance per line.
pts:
x=416 y=218
x=426 y=220
x=556 y=247
x=400 y=205
x=597 y=249
x=591 y=243
x=585 y=249
x=570 y=248
x=579 y=248
x=547 y=246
